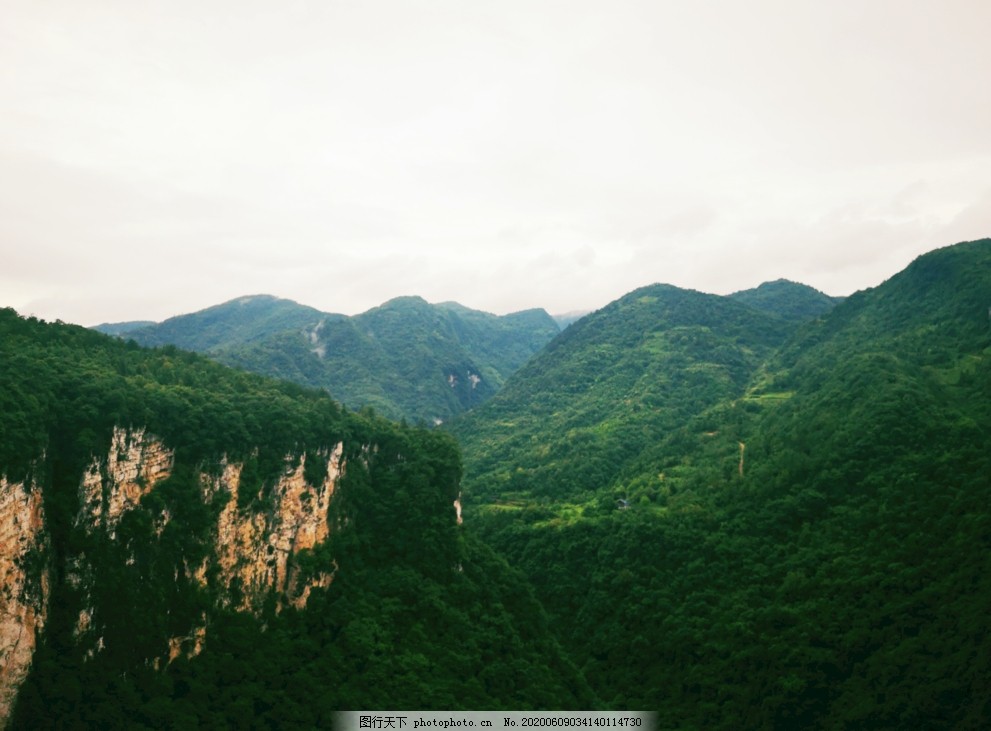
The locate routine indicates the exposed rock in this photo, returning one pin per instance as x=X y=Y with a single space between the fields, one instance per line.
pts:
x=111 y=487
x=190 y=645
x=253 y=555
x=24 y=591
x=299 y=593
x=254 y=549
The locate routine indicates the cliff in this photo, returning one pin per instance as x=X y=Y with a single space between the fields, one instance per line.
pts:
x=251 y=556
x=25 y=577
x=183 y=545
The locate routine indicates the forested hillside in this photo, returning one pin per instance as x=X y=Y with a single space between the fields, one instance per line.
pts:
x=578 y=415
x=790 y=300
x=805 y=546
x=761 y=511
x=406 y=359
x=188 y=546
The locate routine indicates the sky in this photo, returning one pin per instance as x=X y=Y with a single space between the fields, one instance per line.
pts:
x=161 y=156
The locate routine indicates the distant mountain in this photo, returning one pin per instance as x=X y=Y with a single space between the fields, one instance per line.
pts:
x=790 y=300
x=406 y=359
x=566 y=318
x=235 y=323
x=748 y=533
x=121 y=328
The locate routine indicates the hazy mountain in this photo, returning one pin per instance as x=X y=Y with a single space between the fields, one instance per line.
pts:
x=184 y=545
x=566 y=318
x=790 y=300
x=237 y=322
x=407 y=358
x=121 y=328
x=804 y=545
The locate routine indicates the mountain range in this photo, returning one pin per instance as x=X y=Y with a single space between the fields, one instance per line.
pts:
x=740 y=520
x=406 y=358
x=762 y=510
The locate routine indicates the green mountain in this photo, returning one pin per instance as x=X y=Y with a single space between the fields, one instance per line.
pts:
x=184 y=545
x=122 y=328
x=804 y=547
x=575 y=418
x=238 y=322
x=406 y=359
x=786 y=299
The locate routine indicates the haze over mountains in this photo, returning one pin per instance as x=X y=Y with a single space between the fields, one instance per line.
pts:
x=406 y=359
x=763 y=510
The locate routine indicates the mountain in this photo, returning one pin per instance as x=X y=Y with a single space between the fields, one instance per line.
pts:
x=803 y=545
x=572 y=420
x=566 y=318
x=238 y=322
x=184 y=545
x=790 y=300
x=122 y=328
x=406 y=359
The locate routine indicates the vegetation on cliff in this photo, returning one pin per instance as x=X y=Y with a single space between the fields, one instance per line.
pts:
x=414 y=607
x=764 y=514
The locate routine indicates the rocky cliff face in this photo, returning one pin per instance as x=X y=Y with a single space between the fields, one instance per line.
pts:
x=114 y=484
x=251 y=558
x=25 y=579
x=254 y=551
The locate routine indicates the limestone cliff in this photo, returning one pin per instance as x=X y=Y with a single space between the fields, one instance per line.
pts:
x=252 y=556
x=25 y=577
x=254 y=550
x=115 y=484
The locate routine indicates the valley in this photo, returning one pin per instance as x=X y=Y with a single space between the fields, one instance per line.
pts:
x=761 y=510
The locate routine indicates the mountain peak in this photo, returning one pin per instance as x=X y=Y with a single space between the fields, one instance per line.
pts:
x=787 y=299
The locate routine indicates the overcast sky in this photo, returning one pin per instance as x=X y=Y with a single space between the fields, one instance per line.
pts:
x=160 y=157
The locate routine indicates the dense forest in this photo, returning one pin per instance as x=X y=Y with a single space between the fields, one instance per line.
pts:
x=418 y=614
x=760 y=537
x=407 y=359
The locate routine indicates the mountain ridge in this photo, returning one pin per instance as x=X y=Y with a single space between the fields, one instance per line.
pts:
x=804 y=550
x=405 y=358
x=186 y=545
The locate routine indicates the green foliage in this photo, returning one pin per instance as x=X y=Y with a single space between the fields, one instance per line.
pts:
x=407 y=359
x=710 y=512
x=840 y=581
x=240 y=321
x=415 y=606
x=620 y=380
x=788 y=300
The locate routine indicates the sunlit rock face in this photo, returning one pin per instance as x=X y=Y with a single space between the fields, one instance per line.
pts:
x=111 y=485
x=250 y=557
x=253 y=550
x=115 y=483
x=24 y=584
